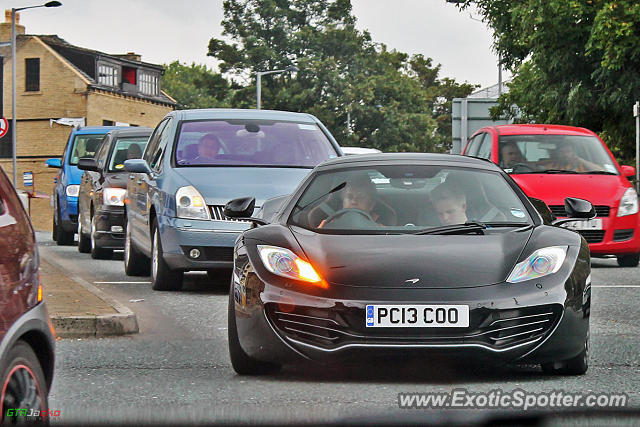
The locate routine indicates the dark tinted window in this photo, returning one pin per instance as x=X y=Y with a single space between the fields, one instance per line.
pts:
x=32 y=74
x=154 y=140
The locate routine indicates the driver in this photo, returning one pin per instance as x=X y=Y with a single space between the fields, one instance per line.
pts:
x=510 y=155
x=208 y=148
x=359 y=193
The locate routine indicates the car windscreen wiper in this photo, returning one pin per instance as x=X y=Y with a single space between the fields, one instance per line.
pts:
x=557 y=171
x=598 y=173
x=333 y=190
x=467 y=227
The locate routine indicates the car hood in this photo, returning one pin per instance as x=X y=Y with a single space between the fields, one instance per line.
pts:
x=554 y=188
x=219 y=184
x=391 y=261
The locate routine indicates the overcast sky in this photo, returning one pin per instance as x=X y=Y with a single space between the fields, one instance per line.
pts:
x=165 y=30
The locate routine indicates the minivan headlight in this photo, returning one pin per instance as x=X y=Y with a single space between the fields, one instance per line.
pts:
x=540 y=263
x=73 y=190
x=628 y=203
x=190 y=204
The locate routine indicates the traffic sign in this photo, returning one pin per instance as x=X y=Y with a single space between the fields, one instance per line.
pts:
x=27 y=179
x=4 y=126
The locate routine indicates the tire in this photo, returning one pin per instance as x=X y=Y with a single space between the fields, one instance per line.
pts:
x=96 y=251
x=219 y=277
x=628 y=260
x=20 y=372
x=162 y=277
x=54 y=232
x=63 y=238
x=84 y=244
x=575 y=366
x=241 y=362
x=135 y=263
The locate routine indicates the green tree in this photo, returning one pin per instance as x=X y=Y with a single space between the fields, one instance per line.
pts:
x=392 y=99
x=574 y=62
x=195 y=86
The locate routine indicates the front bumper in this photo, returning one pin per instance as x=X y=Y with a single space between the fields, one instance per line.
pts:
x=536 y=321
x=619 y=236
x=213 y=239
x=69 y=213
x=110 y=227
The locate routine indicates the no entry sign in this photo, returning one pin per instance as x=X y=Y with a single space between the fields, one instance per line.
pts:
x=4 y=127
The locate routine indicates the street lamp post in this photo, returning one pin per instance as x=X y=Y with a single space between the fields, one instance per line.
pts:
x=259 y=74
x=13 y=82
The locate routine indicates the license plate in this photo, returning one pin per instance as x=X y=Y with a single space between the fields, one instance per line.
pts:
x=592 y=224
x=417 y=316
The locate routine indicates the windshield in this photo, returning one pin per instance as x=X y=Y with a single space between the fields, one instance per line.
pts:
x=126 y=148
x=85 y=146
x=406 y=199
x=251 y=143
x=554 y=153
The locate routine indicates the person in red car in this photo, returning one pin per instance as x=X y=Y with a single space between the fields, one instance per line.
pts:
x=567 y=159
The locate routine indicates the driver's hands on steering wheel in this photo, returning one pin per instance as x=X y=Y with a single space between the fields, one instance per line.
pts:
x=349 y=216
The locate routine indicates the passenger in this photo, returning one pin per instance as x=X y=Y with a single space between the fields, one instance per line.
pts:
x=510 y=155
x=451 y=204
x=565 y=158
x=208 y=148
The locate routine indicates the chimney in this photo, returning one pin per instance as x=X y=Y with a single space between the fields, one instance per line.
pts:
x=5 y=27
x=131 y=56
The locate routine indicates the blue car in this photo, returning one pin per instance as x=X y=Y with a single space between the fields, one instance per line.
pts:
x=83 y=142
x=195 y=162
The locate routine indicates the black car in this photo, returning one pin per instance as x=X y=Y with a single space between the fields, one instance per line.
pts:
x=386 y=254
x=103 y=189
x=26 y=337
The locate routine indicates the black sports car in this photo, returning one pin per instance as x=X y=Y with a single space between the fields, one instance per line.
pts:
x=389 y=253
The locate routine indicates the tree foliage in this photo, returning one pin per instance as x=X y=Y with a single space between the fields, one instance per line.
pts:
x=574 y=62
x=195 y=86
x=396 y=102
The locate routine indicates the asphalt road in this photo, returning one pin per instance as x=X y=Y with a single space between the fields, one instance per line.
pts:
x=177 y=368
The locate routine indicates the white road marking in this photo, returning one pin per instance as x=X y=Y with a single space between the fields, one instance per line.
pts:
x=615 y=286
x=117 y=283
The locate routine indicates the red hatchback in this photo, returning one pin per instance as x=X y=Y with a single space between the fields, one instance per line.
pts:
x=552 y=162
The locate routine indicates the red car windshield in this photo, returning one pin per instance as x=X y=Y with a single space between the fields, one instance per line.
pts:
x=554 y=154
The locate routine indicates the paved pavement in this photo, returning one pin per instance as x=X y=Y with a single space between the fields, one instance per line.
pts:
x=79 y=309
x=177 y=368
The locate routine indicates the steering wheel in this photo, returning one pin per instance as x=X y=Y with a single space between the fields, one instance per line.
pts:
x=349 y=215
x=524 y=165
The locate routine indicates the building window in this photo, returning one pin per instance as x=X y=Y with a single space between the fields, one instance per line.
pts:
x=108 y=75
x=107 y=122
x=148 y=83
x=32 y=83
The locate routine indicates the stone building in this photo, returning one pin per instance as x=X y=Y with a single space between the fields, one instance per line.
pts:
x=56 y=82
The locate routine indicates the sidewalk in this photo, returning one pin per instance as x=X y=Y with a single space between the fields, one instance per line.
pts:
x=79 y=309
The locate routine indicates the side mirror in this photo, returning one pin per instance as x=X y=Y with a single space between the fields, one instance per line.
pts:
x=628 y=171
x=242 y=208
x=88 y=164
x=579 y=208
x=54 y=163
x=137 y=166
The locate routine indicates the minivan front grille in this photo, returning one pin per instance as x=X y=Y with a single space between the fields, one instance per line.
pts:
x=217 y=213
x=592 y=236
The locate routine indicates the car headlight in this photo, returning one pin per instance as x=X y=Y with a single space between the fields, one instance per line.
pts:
x=114 y=196
x=73 y=190
x=190 y=204
x=540 y=263
x=285 y=263
x=628 y=203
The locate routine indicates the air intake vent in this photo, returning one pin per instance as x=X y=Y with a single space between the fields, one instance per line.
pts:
x=621 y=235
x=592 y=236
x=510 y=331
